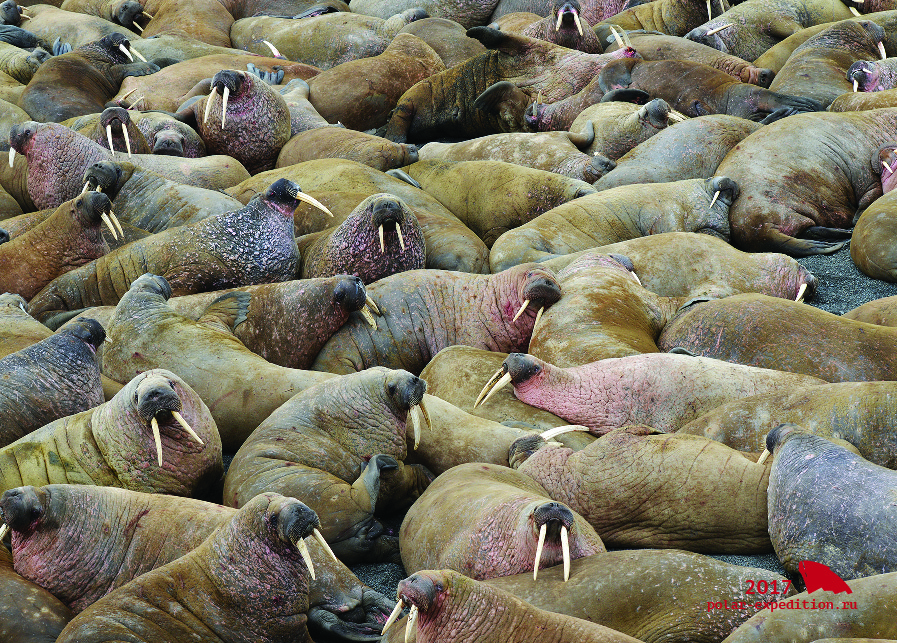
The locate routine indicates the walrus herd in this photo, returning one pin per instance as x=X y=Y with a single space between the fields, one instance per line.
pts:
x=502 y=294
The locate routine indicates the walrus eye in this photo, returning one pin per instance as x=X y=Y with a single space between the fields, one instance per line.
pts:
x=391 y=389
x=136 y=398
x=79 y=203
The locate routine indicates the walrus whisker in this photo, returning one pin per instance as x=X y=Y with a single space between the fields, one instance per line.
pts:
x=154 y=423
x=393 y=616
x=565 y=550
x=274 y=51
x=542 y=531
x=881 y=50
x=125 y=51
x=492 y=380
x=718 y=29
x=763 y=456
x=411 y=622
x=800 y=293
x=368 y=317
x=382 y=243
x=373 y=306
x=306 y=556
x=3 y=531
x=498 y=386
x=302 y=196
x=521 y=309
x=124 y=131
x=415 y=423
x=180 y=420
x=12 y=154
x=538 y=315
x=109 y=137
x=205 y=116
x=715 y=197
x=321 y=541
x=561 y=430
x=224 y=104
x=401 y=240
x=108 y=222
x=578 y=23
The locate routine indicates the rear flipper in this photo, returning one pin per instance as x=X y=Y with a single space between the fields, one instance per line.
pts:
x=820 y=233
x=778 y=241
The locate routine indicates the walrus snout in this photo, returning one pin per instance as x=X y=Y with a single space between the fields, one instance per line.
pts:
x=10 y=13
x=89 y=331
x=386 y=209
x=418 y=590
x=155 y=395
x=21 y=507
x=554 y=515
x=350 y=294
x=4 y=236
x=521 y=367
x=541 y=289
x=104 y=175
x=864 y=74
x=522 y=448
x=295 y=521
x=229 y=78
x=761 y=77
x=152 y=283
x=775 y=437
x=657 y=112
x=126 y=12
x=93 y=205
x=169 y=143
x=114 y=115
x=727 y=188
x=602 y=165
x=406 y=389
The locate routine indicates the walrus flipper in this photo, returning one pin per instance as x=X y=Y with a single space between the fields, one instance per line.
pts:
x=120 y=72
x=404 y=176
x=778 y=241
x=820 y=233
x=270 y=77
x=227 y=311
x=333 y=627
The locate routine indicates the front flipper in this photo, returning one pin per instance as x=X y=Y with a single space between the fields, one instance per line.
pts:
x=60 y=47
x=400 y=489
x=331 y=626
x=120 y=72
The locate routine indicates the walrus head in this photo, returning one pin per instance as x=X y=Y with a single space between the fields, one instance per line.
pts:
x=554 y=522
x=865 y=76
x=157 y=402
x=518 y=369
x=407 y=393
x=115 y=119
x=156 y=284
x=116 y=47
x=169 y=143
x=419 y=592
x=775 y=437
x=22 y=508
x=104 y=176
x=708 y=34
x=21 y=137
x=13 y=300
x=94 y=208
x=10 y=13
x=884 y=162
x=567 y=15
x=285 y=195
x=89 y=331
x=125 y=14
x=539 y=288
x=4 y=236
x=289 y=521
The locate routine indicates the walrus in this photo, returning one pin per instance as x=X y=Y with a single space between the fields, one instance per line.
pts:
x=870 y=248
x=867 y=425
x=138 y=440
x=28 y=612
x=425 y=311
x=18 y=329
x=69 y=238
x=807 y=520
x=348 y=465
x=127 y=13
x=491 y=197
x=619 y=127
x=115 y=131
x=207 y=255
x=870 y=76
x=199 y=19
x=763 y=331
x=21 y=64
x=618 y=214
x=692 y=149
x=48 y=23
x=81 y=81
x=50 y=379
x=152 y=335
x=659 y=390
x=785 y=208
x=11 y=13
x=565 y=25
x=353 y=248
x=344 y=143
x=56 y=530
x=670 y=17
x=691 y=492
x=442 y=604
x=303 y=115
x=878 y=311
x=610 y=589
x=448 y=39
x=167 y=135
x=258 y=561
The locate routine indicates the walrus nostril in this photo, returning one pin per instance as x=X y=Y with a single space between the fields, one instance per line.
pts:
x=4 y=236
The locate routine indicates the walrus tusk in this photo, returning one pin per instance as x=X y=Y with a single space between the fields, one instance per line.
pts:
x=715 y=197
x=521 y=309
x=560 y=430
x=302 y=196
x=115 y=221
x=854 y=11
x=373 y=306
x=3 y=531
x=323 y=542
x=125 y=95
x=180 y=420
x=157 y=437
x=303 y=549
x=620 y=40
x=393 y=617
x=677 y=116
x=412 y=621
x=108 y=222
x=12 y=155
x=538 y=316
x=856 y=85
x=125 y=51
x=498 y=385
x=887 y=167
x=492 y=380
x=137 y=27
x=709 y=11
x=136 y=102
x=718 y=29
x=87 y=184
x=205 y=116
x=124 y=131
x=565 y=550
x=557 y=25
x=368 y=317
x=800 y=293
x=109 y=137
x=401 y=240
x=99 y=189
x=578 y=23
x=24 y=15
x=138 y=54
x=382 y=244
x=224 y=104
x=273 y=49
x=108 y=339
x=147 y=15
x=538 y=559
x=881 y=50
x=763 y=456
x=415 y=420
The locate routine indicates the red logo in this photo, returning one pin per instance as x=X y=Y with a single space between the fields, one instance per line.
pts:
x=819 y=576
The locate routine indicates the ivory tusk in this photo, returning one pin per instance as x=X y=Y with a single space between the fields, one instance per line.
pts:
x=302 y=196
x=99 y=189
x=3 y=531
x=521 y=309
x=538 y=559
x=180 y=420
x=115 y=221
x=718 y=29
x=578 y=23
x=12 y=155
x=303 y=550
x=412 y=621
x=158 y=438
x=373 y=306
x=423 y=410
x=856 y=85
x=498 y=386
x=881 y=50
x=887 y=167
x=224 y=105
x=273 y=49
x=323 y=542
x=109 y=137
x=125 y=95
x=125 y=51
x=557 y=25
x=394 y=615
x=538 y=316
x=205 y=116
x=492 y=380
x=87 y=184
x=368 y=317
x=560 y=430
x=800 y=293
x=108 y=339
x=677 y=116
x=763 y=456
x=854 y=11
x=138 y=54
x=124 y=131
x=382 y=244
x=108 y=222
x=137 y=27
x=709 y=11
x=401 y=240
x=136 y=102
x=617 y=38
x=147 y=15
x=715 y=197
x=565 y=550
x=415 y=423
x=24 y=15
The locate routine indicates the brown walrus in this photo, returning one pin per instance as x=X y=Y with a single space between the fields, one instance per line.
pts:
x=28 y=612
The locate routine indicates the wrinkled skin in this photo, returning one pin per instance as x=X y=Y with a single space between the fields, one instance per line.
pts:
x=446 y=600
x=249 y=563
x=20 y=63
x=18 y=329
x=692 y=149
x=426 y=311
x=118 y=120
x=354 y=246
x=619 y=127
x=126 y=13
x=765 y=331
x=491 y=197
x=860 y=101
x=169 y=527
x=659 y=390
x=829 y=506
x=29 y=613
x=241 y=387
x=860 y=413
x=53 y=378
x=442 y=105
x=53 y=95
x=202 y=256
x=341 y=446
x=561 y=28
x=493 y=532
x=870 y=246
x=690 y=492
x=614 y=589
x=619 y=214
x=166 y=135
x=303 y=115
x=112 y=444
x=671 y=17
x=447 y=38
x=784 y=205
x=882 y=312
x=468 y=14
x=204 y=21
x=49 y=22
x=338 y=142
x=873 y=75
x=68 y=239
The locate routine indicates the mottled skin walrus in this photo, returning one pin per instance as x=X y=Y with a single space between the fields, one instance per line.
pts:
x=659 y=390
x=829 y=505
x=565 y=26
x=882 y=312
x=241 y=387
x=119 y=443
x=18 y=329
x=115 y=131
x=690 y=492
x=54 y=94
x=201 y=20
x=632 y=590
x=381 y=237
x=21 y=63
x=671 y=17
x=53 y=378
x=254 y=244
x=258 y=562
x=619 y=127
x=764 y=331
x=152 y=530
x=619 y=214
x=28 y=612
x=344 y=143
x=127 y=13
x=340 y=446
x=425 y=311
x=871 y=248
x=448 y=39
x=784 y=205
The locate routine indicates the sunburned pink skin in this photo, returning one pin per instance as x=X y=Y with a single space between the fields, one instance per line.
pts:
x=887 y=165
